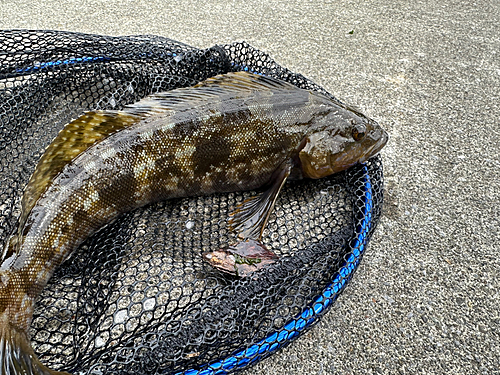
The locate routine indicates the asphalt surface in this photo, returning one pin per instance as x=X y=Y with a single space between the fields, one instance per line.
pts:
x=425 y=299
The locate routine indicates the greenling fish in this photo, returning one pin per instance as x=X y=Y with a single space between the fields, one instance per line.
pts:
x=233 y=132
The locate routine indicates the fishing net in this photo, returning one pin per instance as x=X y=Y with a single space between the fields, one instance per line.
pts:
x=137 y=298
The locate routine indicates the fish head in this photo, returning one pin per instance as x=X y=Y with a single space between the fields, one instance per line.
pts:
x=351 y=138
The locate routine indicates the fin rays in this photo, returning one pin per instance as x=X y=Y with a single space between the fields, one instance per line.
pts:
x=72 y=140
x=250 y=217
x=17 y=356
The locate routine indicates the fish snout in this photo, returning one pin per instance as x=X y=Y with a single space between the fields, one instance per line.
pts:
x=380 y=137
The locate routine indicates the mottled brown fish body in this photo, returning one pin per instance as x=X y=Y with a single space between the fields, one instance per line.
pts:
x=231 y=133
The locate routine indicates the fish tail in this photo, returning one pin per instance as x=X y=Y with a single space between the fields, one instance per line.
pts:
x=17 y=356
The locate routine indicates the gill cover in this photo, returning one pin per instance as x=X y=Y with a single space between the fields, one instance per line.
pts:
x=315 y=155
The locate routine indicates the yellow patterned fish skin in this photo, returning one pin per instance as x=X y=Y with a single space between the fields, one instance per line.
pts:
x=229 y=133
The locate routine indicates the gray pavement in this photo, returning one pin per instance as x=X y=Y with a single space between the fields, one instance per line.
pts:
x=425 y=299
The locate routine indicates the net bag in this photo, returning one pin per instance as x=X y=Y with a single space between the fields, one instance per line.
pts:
x=137 y=297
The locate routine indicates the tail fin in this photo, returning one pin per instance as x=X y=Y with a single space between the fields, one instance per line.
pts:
x=17 y=356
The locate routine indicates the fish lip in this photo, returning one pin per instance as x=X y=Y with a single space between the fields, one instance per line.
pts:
x=375 y=149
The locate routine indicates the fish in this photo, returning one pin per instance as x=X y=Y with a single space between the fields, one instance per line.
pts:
x=242 y=258
x=232 y=132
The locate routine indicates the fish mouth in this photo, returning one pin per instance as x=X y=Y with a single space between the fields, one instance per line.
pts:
x=375 y=149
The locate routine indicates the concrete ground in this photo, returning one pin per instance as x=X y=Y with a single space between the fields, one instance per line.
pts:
x=425 y=299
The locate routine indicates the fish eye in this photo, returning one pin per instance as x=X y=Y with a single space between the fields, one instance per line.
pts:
x=359 y=132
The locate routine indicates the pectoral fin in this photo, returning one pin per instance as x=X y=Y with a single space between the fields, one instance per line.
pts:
x=250 y=217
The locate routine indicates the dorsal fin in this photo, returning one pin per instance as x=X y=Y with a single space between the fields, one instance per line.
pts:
x=235 y=84
x=72 y=140
x=244 y=81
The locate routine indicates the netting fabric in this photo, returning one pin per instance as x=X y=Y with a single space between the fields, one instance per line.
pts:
x=137 y=298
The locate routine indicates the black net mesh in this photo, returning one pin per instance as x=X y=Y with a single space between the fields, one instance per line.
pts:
x=137 y=297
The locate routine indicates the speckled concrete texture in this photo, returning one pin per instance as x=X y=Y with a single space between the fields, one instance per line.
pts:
x=425 y=299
